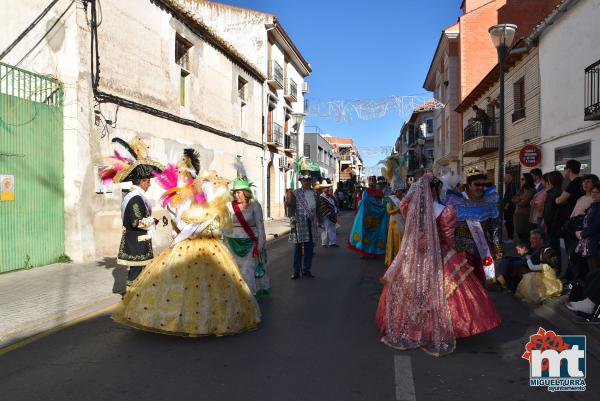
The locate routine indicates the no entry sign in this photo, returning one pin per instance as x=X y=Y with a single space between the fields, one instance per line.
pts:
x=530 y=155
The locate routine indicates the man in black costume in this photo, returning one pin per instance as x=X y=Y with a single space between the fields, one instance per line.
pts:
x=135 y=250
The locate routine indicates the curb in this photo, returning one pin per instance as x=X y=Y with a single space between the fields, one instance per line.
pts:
x=569 y=324
x=24 y=334
x=36 y=327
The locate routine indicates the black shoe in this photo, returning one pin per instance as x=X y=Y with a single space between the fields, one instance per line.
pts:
x=308 y=274
x=295 y=276
x=325 y=246
x=334 y=246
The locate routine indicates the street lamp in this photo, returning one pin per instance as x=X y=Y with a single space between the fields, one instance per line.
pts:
x=502 y=38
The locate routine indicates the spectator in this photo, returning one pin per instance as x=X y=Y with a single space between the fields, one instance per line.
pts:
x=512 y=268
x=522 y=201
x=538 y=179
x=554 y=214
x=589 y=236
x=483 y=118
x=585 y=201
x=509 y=207
x=537 y=204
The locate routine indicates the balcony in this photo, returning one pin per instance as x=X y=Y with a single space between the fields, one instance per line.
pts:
x=291 y=90
x=592 y=92
x=275 y=77
x=275 y=136
x=479 y=140
x=346 y=158
x=291 y=143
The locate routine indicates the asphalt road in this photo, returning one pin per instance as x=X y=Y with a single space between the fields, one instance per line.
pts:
x=317 y=342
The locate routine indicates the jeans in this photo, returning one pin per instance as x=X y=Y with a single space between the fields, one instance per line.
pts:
x=507 y=268
x=308 y=255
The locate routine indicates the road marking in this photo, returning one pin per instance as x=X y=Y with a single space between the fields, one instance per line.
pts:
x=405 y=385
x=38 y=336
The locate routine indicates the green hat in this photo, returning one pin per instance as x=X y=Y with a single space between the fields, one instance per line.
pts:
x=242 y=184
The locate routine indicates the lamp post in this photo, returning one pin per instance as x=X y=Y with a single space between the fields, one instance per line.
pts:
x=297 y=119
x=502 y=37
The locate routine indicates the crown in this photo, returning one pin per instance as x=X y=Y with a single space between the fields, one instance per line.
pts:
x=471 y=171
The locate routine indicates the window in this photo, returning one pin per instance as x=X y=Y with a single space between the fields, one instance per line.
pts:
x=429 y=123
x=307 y=150
x=182 y=59
x=320 y=154
x=581 y=152
x=242 y=88
x=519 y=100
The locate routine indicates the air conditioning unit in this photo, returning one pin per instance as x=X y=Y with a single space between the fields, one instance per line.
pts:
x=305 y=87
x=283 y=162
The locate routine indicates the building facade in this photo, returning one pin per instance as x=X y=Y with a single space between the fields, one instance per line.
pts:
x=569 y=55
x=522 y=121
x=351 y=167
x=261 y=38
x=159 y=73
x=320 y=152
x=415 y=144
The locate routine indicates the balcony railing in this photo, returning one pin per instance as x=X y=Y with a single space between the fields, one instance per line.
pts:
x=476 y=129
x=291 y=90
x=592 y=92
x=518 y=114
x=346 y=157
x=275 y=74
x=480 y=139
x=275 y=137
x=291 y=142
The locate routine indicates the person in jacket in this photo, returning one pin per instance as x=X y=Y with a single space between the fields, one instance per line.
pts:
x=522 y=200
x=305 y=217
x=554 y=214
x=509 y=207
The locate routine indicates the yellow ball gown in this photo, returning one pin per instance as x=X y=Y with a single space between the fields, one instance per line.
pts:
x=194 y=287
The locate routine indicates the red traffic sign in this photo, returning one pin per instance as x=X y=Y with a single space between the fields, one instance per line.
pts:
x=530 y=155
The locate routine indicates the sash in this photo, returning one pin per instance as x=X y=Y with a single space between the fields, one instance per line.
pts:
x=242 y=220
x=137 y=191
x=331 y=201
x=301 y=200
x=482 y=246
x=394 y=199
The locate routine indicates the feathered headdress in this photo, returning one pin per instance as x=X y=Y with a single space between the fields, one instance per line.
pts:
x=132 y=164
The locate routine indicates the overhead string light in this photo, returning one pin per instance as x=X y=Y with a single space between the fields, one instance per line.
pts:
x=370 y=109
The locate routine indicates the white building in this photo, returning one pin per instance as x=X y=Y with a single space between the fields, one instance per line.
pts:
x=260 y=37
x=159 y=73
x=569 y=53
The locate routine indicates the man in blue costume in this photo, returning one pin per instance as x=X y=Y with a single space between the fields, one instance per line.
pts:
x=369 y=231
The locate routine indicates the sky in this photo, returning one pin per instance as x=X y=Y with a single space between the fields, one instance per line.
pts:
x=362 y=50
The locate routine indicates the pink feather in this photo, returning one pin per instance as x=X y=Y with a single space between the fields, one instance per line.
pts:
x=118 y=156
x=199 y=197
x=167 y=199
x=168 y=178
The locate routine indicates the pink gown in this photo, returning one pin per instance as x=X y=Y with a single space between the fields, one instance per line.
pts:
x=471 y=310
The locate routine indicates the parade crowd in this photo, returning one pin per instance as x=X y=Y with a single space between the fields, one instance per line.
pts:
x=440 y=243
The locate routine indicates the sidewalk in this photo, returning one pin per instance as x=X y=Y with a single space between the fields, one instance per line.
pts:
x=37 y=300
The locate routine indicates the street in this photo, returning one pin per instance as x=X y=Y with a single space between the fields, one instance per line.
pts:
x=317 y=341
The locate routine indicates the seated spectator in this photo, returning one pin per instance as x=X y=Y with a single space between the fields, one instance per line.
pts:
x=537 y=286
x=512 y=268
x=591 y=301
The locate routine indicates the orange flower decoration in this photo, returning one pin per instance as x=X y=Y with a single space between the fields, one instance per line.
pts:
x=542 y=341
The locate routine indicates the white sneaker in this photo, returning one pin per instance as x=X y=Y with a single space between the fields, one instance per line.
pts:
x=585 y=306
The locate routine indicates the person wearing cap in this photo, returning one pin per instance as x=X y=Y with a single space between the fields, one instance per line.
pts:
x=305 y=216
x=246 y=237
x=329 y=211
x=135 y=249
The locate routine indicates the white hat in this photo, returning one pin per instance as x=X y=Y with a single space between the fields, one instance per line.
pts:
x=325 y=184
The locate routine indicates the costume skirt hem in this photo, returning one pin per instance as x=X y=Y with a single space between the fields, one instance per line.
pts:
x=137 y=326
x=363 y=253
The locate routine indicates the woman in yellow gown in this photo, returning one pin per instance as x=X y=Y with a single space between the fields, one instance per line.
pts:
x=194 y=287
